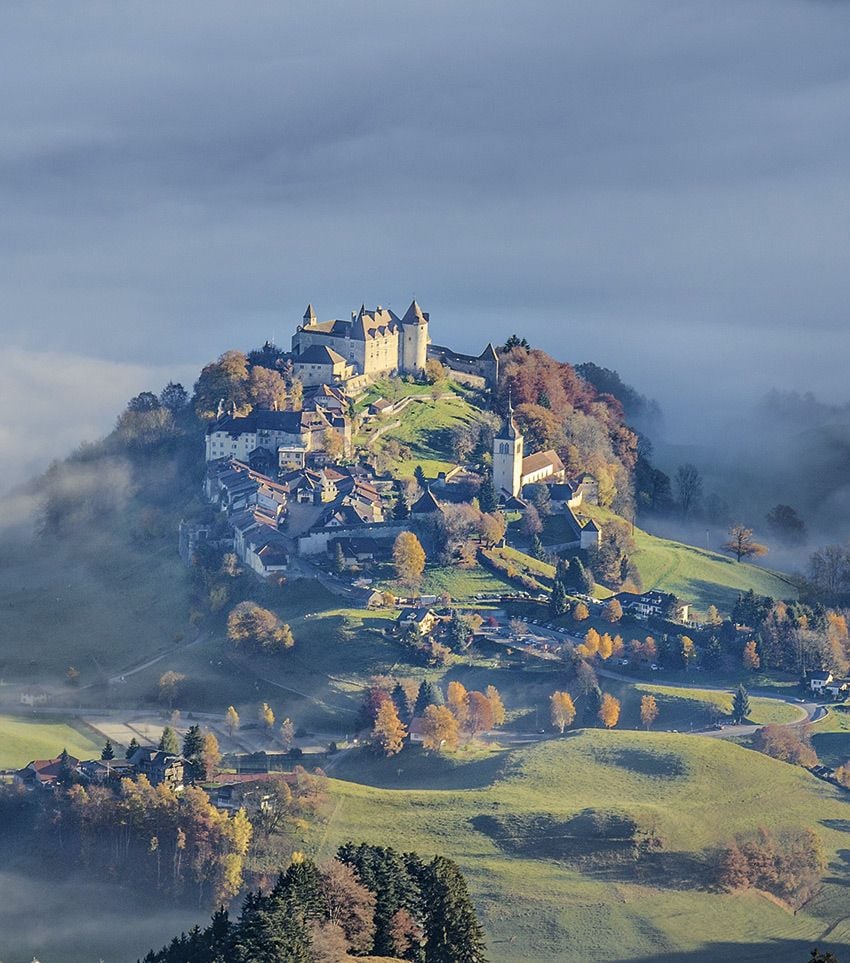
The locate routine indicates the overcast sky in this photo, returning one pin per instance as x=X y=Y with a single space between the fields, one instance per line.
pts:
x=662 y=187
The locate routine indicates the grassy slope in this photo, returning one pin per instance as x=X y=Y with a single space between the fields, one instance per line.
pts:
x=698 y=575
x=425 y=428
x=23 y=739
x=539 y=909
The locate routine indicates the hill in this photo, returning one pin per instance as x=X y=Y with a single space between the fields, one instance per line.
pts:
x=507 y=823
x=698 y=575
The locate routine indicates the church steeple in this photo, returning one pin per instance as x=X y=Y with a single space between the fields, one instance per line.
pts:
x=507 y=456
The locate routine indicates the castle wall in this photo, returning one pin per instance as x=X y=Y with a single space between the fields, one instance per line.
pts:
x=484 y=366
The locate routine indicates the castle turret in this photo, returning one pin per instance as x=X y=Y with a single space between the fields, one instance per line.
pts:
x=507 y=457
x=309 y=316
x=414 y=340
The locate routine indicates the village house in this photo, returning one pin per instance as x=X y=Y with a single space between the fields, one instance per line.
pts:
x=253 y=792
x=421 y=619
x=160 y=767
x=274 y=435
x=104 y=772
x=653 y=604
x=46 y=773
x=818 y=680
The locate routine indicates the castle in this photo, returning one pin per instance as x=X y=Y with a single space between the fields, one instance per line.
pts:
x=369 y=346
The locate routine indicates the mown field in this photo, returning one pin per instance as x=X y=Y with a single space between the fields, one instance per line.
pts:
x=25 y=738
x=539 y=903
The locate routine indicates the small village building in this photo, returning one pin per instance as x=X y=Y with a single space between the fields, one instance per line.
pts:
x=46 y=773
x=819 y=679
x=160 y=767
x=421 y=619
x=654 y=604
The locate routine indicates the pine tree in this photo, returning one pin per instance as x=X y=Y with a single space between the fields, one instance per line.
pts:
x=487 y=495
x=399 y=697
x=107 y=752
x=428 y=695
x=740 y=705
x=559 y=604
x=401 y=509
x=537 y=549
x=131 y=748
x=193 y=748
x=452 y=931
x=338 y=560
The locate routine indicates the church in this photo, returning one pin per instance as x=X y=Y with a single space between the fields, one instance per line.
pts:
x=513 y=470
x=373 y=344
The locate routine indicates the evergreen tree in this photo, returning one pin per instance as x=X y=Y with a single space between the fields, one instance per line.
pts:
x=559 y=603
x=487 y=501
x=419 y=475
x=131 y=748
x=193 y=748
x=537 y=549
x=561 y=569
x=107 y=752
x=428 y=695
x=168 y=742
x=593 y=702
x=740 y=705
x=399 y=697
x=401 y=509
x=452 y=931
x=578 y=578
x=712 y=653
x=338 y=559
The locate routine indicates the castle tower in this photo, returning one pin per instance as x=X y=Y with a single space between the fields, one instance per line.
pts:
x=413 y=343
x=309 y=316
x=507 y=457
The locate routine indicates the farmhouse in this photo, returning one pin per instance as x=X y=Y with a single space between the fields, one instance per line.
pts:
x=423 y=620
x=654 y=604
x=820 y=679
x=46 y=773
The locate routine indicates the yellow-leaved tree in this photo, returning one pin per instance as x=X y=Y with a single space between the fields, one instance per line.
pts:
x=408 y=558
x=609 y=711
x=648 y=710
x=389 y=731
x=563 y=710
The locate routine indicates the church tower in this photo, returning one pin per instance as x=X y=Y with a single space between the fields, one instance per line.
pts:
x=507 y=457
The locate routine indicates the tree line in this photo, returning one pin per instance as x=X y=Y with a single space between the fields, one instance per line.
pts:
x=367 y=900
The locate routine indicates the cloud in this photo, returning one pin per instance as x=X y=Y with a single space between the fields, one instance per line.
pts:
x=660 y=187
x=52 y=402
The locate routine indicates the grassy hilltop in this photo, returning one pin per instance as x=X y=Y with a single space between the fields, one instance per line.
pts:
x=506 y=820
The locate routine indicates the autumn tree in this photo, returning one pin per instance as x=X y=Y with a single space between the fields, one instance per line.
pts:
x=440 y=728
x=408 y=558
x=609 y=711
x=287 y=734
x=613 y=611
x=457 y=699
x=347 y=903
x=741 y=543
x=791 y=744
x=223 y=381
x=170 y=684
x=563 y=710
x=231 y=720
x=210 y=758
x=479 y=713
x=265 y=716
x=496 y=705
x=266 y=389
x=389 y=731
x=750 y=657
x=251 y=625
x=581 y=612
x=648 y=710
